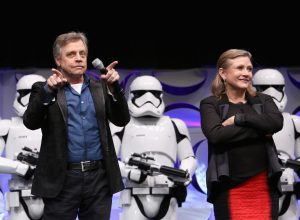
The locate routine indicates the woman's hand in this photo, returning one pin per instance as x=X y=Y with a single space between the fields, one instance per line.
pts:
x=228 y=121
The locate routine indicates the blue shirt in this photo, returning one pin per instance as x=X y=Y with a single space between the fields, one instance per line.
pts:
x=83 y=131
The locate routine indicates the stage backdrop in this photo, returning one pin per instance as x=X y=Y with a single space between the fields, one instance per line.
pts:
x=183 y=90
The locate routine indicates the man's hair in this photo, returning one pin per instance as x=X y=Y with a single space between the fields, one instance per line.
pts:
x=66 y=38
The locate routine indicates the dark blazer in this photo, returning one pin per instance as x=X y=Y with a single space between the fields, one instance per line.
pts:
x=52 y=119
x=268 y=120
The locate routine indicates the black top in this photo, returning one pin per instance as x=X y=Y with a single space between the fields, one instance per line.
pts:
x=246 y=157
x=239 y=151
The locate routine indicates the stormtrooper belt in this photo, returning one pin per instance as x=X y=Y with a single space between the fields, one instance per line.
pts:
x=150 y=191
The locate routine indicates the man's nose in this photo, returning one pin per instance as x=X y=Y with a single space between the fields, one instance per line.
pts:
x=78 y=57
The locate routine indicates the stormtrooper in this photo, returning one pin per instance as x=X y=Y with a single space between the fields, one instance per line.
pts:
x=19 y=149
x=155 y=136
x=287 y=141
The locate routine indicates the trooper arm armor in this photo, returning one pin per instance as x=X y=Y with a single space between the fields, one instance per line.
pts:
x=4 y=128
x=189 y=164
x=2 y=145
x=296 y=121
x=21 y=166
x=7 y=165
x=185 y=150
x=290 y=164
x=132 y=173
x=117 y=134
x=13 y=167
x=126 y=171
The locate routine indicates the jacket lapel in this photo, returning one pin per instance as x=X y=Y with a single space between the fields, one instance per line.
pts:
x=97 y=91
x=223 y=107
x=62 y=103
x=98 y=98
x=255 y=103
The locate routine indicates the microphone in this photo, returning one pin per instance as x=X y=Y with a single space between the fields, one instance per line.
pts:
x=98 y=64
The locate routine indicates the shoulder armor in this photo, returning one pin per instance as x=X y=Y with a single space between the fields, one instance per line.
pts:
x=296 y=121
x=116 y=130
x=181 y=127
x=4 y=126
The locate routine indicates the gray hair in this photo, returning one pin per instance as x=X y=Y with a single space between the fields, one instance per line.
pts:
x=66 y=38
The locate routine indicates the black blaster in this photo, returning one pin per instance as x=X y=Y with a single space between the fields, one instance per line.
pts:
x=28 y=156
x=295 y=165
x=148 y=165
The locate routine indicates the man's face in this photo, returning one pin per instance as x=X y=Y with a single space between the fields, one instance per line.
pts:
x=73 y=58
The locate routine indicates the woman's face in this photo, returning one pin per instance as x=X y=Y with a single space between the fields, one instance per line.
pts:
x=238 y=75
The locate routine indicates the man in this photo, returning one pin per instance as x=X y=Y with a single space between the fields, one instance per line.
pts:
x=77 y=171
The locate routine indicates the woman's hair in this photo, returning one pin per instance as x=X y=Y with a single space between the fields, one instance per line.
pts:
x=66 y=38
x=218 y=84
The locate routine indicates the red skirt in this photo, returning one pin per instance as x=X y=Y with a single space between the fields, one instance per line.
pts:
x=251 y=200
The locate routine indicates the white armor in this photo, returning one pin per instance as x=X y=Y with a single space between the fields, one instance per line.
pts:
x=154 y=135
x=271 y=82
x=18 y=137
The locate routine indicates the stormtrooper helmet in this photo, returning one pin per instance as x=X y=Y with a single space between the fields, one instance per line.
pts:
x=23 y=88
x=145 y=97
x=271 y=82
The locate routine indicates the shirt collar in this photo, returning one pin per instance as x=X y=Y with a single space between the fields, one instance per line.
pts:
x=85 y=83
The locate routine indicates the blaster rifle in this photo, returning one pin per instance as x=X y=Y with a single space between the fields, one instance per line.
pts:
x=29 y=156
x=293 y=164
x=147 y=164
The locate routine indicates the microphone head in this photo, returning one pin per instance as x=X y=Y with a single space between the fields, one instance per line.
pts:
x=97 y=64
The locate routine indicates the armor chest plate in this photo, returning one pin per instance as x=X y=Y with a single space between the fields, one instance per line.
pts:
x=19 y=136
x=155 y=137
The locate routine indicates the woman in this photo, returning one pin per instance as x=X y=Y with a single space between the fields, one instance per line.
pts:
x=243 y=170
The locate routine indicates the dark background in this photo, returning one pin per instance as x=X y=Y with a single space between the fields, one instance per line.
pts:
x=153 y=36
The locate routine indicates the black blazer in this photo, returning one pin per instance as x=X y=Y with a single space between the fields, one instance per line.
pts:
x=52 y=119
x=268 y=120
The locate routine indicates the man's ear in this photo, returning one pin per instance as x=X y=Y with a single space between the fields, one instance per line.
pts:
x=57 y=61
